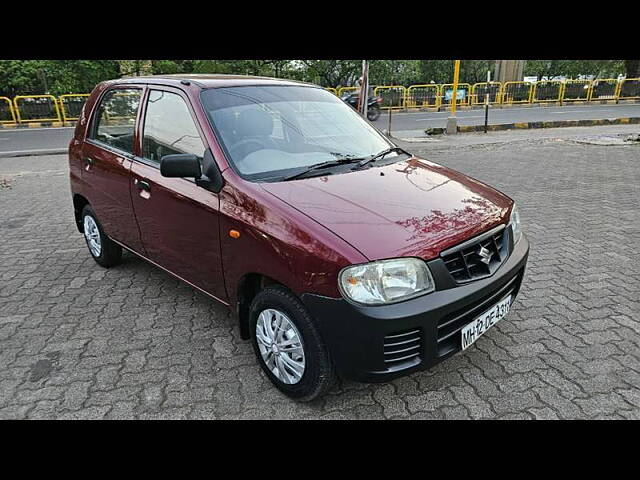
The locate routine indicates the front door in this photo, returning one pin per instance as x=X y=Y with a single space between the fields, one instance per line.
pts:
x=107 y=154
x=179 y=221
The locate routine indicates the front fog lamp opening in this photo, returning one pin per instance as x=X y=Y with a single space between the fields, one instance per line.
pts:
x=386 y=281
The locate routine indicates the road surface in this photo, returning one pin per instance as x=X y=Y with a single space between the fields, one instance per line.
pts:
x=34 y=139
x=410 y=123
x=132 y=342
x=421 y=120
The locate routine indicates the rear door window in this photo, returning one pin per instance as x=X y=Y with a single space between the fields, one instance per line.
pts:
x=169 y=128
x=115 y=119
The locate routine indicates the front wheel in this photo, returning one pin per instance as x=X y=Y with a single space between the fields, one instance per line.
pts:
x=288 y=345
x=373 y=113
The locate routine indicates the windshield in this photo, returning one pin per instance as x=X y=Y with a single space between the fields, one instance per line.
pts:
x=270 y=132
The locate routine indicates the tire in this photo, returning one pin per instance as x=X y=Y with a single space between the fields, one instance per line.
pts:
x=373 y=113
x=104 y=251
x=318 y=375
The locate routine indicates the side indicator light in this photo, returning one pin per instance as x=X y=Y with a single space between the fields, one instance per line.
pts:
x=234 y=234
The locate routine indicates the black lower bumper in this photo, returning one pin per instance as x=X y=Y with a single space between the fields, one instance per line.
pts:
x=366 y=343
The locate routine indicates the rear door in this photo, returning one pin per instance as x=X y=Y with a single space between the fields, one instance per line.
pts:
x=179 y=221
x=107 y=155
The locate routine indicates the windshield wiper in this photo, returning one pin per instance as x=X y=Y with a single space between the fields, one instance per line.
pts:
x=380 y=155
x=320 y=166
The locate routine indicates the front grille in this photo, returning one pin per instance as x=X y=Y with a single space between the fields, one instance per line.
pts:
x=449 y=326
x=477 y=258
x=402 y=349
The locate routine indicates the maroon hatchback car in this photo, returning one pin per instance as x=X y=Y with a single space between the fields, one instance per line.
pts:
x=340 y=252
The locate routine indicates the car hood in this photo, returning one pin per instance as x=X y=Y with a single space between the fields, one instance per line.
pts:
x=408 y=208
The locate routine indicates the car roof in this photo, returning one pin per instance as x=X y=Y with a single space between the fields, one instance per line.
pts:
x=212 y=80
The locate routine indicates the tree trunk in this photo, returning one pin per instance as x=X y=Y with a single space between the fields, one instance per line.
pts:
x=632 y=68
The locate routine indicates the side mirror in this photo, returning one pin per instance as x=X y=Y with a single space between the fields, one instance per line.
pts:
x=180 y=165
x=186 y=165
x=212 y=176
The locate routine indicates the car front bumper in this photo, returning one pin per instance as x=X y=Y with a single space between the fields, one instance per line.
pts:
x=360 y=338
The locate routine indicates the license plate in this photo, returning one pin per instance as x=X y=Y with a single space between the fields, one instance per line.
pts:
x=484 y=322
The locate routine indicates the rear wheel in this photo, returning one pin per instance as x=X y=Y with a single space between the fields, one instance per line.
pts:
x=288 y=345
x=104 y=251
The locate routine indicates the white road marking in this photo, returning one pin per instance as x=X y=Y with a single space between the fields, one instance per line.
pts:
x=439 y=119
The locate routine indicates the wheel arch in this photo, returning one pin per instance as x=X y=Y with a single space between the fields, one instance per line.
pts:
x=79 y=202
x=248 y=287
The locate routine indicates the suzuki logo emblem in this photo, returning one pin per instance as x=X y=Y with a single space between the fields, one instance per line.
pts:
x=485 y=255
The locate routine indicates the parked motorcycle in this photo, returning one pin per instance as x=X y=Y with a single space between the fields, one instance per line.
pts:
x=373 y=105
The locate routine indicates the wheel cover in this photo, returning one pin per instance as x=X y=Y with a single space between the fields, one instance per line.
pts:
x=92 y=235
x=280 y=345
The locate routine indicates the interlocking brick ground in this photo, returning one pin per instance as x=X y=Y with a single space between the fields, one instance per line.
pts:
x=78 y=341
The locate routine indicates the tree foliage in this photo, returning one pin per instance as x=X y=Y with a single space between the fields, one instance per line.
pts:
x=632 y=68
x=36 y=77
x=551 y=69
x=32 y=77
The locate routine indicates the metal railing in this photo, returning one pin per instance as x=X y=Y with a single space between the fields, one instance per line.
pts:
x=604 y=89
x=629 y=89
x=480 y=91
x=547 y=91
x=7 y=114
x=71 y=105
x=24 y=109
x=516 y=92
x=393 y=96
x=576 y=90
x=343 y=90
x=36 y=108
x=463 y=97
x=423 y=96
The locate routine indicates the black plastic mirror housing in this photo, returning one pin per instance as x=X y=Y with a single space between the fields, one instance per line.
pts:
x=182 y=165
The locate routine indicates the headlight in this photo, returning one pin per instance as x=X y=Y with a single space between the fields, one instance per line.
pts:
x=514 y=222
x=386 y=281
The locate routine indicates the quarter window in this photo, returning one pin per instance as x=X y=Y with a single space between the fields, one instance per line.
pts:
x=169 y=128
x=116 y=118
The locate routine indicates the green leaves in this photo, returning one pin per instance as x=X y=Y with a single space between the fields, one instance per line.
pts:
x=33 y=77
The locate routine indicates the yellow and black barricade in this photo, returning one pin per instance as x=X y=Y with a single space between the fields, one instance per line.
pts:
x=423 y=96
x=547 y=91
x=516 y=92
x=463 y=97
x=576 y=91
x=480 y=91
x=71 y=105
x=629 y=89
x=343 y=90
x=7 y=114
x=36 y=108
x=332 y=90
x=604 y=89
x=392 y=96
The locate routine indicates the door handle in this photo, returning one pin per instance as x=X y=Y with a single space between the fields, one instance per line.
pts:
x=142 y=185
x=88 y=161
